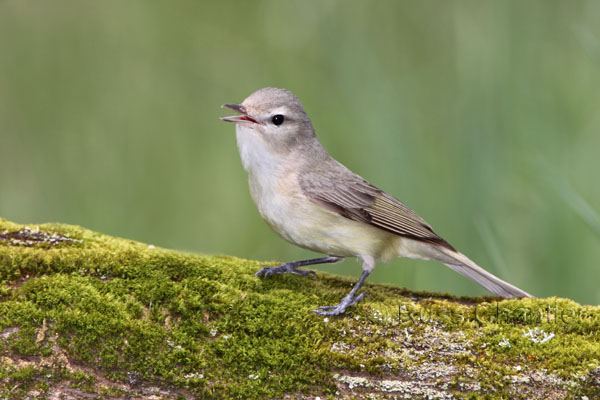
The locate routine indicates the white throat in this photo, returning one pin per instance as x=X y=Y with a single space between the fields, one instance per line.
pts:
x=257 y=158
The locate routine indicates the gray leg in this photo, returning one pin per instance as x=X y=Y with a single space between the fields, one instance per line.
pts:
x=347 y=301
x=292 y=267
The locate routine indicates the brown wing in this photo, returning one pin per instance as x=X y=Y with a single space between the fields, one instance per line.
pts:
x=356 y=199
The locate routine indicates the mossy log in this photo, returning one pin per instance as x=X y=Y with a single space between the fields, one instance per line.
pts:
x=86 y=315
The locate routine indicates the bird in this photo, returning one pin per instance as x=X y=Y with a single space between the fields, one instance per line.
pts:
x=315 y=202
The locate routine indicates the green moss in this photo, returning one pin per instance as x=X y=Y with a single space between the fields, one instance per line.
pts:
x=117 y=318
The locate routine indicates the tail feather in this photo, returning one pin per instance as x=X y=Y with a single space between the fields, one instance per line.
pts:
x=464 y=266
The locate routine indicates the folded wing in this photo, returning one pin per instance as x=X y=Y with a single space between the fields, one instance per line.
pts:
x=358 y=200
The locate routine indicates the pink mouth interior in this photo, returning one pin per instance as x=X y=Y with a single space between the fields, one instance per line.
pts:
x=247 y=118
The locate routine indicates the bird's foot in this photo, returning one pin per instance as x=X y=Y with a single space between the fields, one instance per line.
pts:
x=287 y=268
x=340 y=308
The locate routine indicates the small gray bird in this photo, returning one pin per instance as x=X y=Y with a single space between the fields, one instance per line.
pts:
x=313 y=201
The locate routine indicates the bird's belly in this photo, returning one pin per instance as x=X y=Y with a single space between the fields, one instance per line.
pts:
x=307 y=225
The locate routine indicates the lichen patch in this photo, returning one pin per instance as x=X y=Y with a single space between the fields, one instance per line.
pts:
x=34 y=237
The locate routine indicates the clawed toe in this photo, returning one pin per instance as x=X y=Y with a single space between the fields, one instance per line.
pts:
x=346 y=302
x=304 y=273
x=327 y=311
x=292 y=267
x=288 y=268
x=263 y=272
x=325 y=308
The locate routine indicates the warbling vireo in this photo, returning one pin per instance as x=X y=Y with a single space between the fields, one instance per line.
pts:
x=313 y=201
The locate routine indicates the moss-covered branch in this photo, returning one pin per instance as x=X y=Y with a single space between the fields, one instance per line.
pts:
x=85 y=314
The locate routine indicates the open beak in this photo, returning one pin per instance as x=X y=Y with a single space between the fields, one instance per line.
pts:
x=238 y=118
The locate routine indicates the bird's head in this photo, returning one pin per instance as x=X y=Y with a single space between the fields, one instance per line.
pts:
x=276 y=115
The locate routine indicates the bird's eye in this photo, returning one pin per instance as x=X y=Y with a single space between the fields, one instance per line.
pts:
x=277 y=119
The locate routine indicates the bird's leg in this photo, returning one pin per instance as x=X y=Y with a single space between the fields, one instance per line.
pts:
x=292 y=267
x=347 y=301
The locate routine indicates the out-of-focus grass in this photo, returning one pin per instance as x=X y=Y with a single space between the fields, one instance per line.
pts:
x=570 y=197
x=109 y=119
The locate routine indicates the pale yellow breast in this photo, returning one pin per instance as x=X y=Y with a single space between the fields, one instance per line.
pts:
x=304 y=223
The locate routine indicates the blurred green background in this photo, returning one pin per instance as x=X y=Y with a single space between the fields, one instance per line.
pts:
x=483 y=116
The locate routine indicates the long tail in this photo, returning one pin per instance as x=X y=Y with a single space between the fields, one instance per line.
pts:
x=464 y=266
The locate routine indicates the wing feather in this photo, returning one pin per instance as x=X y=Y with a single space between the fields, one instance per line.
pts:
x=358 y=200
